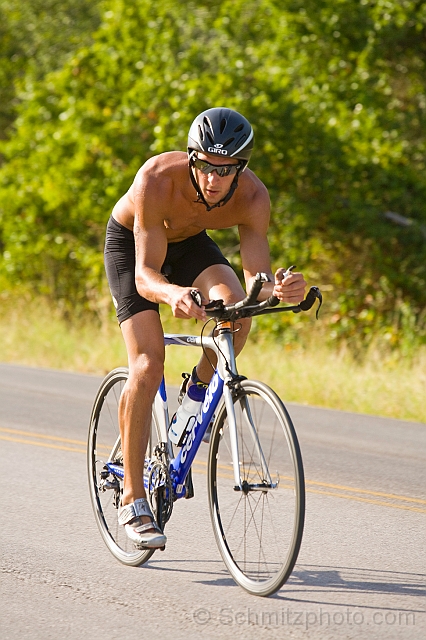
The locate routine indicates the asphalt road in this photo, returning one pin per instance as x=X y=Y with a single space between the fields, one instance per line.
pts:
x=360 y=573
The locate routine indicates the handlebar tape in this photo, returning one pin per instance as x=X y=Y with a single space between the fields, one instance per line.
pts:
x=273 y=301
x=309 y=301
x=196 y=296
x=306 y=304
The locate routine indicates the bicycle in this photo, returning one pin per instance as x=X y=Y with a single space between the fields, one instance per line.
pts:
x=255 y=472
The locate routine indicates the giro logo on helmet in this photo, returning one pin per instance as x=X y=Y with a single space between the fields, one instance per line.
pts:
x=218 y=149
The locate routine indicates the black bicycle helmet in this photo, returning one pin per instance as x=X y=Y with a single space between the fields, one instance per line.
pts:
x=221 y=132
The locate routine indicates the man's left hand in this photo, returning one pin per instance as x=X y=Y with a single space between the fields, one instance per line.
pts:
x=289 y=286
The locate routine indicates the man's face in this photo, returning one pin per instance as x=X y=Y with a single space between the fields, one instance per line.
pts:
x=213 y=187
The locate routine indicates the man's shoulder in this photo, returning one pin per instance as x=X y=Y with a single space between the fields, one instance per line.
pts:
x=159 y=180
x=164 y=164
x=161 y=173
x=251 y=189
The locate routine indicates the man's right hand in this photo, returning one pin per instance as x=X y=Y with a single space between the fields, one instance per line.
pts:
x=183 y=304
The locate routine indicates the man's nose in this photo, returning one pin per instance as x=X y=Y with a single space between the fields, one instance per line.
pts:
x=213 y=176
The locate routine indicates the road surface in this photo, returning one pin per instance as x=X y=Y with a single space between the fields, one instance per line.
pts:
x=360 y=573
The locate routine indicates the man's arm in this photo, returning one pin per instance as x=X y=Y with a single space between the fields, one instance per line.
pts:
x=255 y=256
x=151 y=249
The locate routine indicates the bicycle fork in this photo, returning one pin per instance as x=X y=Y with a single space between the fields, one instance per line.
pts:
x=228 y=371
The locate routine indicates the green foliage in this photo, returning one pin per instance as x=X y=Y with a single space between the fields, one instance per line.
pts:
x=336 y=92
x=35 y=38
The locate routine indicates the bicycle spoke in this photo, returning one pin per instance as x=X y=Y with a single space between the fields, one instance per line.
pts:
x=105 y=446
x=258 y=527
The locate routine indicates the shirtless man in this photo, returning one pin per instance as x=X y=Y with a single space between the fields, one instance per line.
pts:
x=157 y=251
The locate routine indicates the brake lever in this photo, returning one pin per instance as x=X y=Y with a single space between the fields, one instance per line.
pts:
x=273 y=301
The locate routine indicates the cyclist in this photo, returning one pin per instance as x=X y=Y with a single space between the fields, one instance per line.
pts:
x=157 y=251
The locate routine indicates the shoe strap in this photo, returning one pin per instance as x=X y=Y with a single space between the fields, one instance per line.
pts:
x=139 y=507
x=146 y=527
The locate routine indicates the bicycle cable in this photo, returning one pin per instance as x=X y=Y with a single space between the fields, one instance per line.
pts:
x=235 y=330
x=202 y=344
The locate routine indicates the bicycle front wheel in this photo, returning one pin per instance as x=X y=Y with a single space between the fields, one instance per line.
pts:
x=104 y=445
x=258 y=525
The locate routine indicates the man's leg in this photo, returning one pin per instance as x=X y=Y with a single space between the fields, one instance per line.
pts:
x=220 y=282
x=144 y=340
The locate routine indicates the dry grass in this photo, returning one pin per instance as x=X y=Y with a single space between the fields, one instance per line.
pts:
x=334 y=379
x=382 y=384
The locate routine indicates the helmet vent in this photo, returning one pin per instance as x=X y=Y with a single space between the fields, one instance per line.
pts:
x=200 y=133
x=207 y=123
x=239 y=128
x=225 y=144
x=210 y=137
x=241 y=141
x=222 y=125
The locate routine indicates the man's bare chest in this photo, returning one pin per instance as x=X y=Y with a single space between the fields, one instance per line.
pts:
x=184 y=221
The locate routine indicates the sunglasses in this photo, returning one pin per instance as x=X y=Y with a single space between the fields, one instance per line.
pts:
x=222 y=170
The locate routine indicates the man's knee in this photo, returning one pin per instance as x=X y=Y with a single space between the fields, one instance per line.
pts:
x=220 y=282
x=144 y=340
x=146 y=372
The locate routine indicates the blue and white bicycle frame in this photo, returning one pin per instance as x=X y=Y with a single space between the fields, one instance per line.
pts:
x=217 y=391
x=257 y=521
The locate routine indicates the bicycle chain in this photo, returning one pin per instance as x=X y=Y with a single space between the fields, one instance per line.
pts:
x=160 y=491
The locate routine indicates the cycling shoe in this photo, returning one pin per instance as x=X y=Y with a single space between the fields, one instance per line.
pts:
x=143 y=536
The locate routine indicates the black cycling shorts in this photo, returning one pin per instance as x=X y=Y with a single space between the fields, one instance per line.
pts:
x=184 y=262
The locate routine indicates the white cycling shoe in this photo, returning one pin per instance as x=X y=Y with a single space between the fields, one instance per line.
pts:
x=143 y=536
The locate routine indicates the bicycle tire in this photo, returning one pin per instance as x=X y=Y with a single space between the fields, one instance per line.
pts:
x=104 y=444
x=258 y=531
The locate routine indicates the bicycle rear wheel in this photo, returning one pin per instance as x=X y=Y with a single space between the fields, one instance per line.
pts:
x=258 y=529
x=104 y=445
